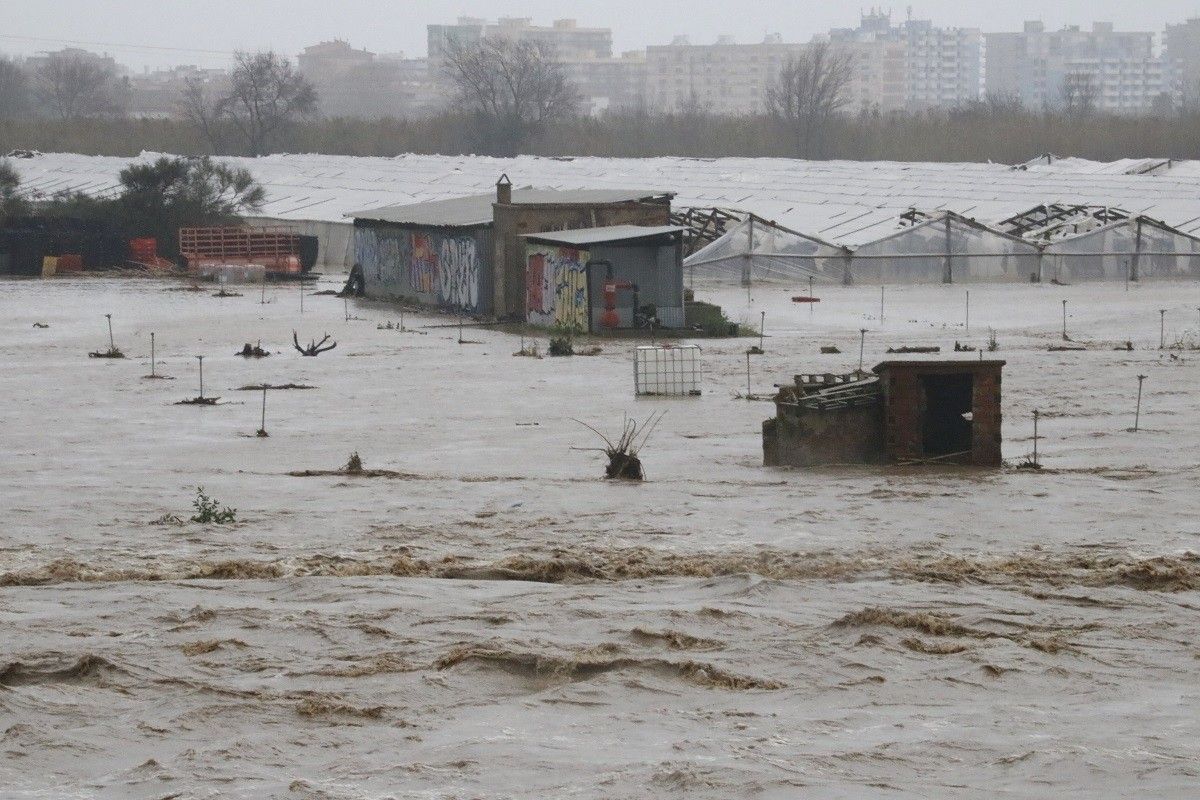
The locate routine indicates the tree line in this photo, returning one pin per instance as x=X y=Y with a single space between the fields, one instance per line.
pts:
x=511 y=96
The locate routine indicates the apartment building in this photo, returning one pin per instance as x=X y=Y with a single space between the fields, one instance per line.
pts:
x=1040 y=67
x=569 y=41
x=944 y=67
x=720 y=78
x=1181 y=61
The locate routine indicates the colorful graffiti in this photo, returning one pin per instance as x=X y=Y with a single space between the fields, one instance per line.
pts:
x=423 y=268
x=404 y=263
x=458 y=268
x=556 y=286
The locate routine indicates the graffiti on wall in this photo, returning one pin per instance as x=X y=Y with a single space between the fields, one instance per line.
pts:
x=407 y=263
x=556 y=286
x=423 y=268
x=366 y=253
x=458 y=269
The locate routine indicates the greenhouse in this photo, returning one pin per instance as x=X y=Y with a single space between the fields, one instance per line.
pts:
x=1138 y=248
x=757 y=251
x=946 y=248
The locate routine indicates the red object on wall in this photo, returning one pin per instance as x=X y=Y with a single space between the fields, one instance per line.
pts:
x=70 y=262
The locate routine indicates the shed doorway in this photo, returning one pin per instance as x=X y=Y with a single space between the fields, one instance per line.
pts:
x=947 y=426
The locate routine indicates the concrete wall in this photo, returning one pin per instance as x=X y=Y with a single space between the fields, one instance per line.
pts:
x=800 y=437
x=448 y=268
x=509 y=263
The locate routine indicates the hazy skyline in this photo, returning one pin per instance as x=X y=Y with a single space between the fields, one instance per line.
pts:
x=141 y=33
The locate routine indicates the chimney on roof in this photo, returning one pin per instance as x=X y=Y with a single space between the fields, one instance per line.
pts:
x=504 y=191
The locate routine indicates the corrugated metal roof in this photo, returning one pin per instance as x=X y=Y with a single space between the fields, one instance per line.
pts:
x=474 y=210
x=614 y=233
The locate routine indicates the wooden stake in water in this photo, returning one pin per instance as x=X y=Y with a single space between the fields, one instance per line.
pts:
x=1127 y=274
x=201 y=360
x=262 y=430
x=460 y=326
x=402 y=320
x=747 y=375
x=1137 y=415
x=810 y=296
x=152 y=354
x=1036 y=414
x=881 y=305
x=1064 y=332
x=862 y=344
x=346 y=308
x=1162 y=328
x=111 y=344
x=762 y=326
x=967 y=323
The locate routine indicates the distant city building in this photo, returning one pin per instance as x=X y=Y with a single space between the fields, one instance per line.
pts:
x=569 y=41
x=911 y=66
x=1181 y=57
x=944 y=67
x=358 y=83
x=721 y=78
x=1118 y=71
x=158 y=93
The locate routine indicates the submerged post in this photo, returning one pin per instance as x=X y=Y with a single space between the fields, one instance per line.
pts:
x=967 y=324
x=1137 y=414
x=747 y=374
x=1162 y=329
x=881 y=288
x=111 y=344
x=862 y=344
x=201 y=360
x=1036 y=413
x=1064 y=331
x=810 y=297
x=262 y=429
x=762 y=326
x=152 y=354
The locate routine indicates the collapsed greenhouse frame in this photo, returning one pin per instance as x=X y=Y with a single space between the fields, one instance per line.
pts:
x=948 y=247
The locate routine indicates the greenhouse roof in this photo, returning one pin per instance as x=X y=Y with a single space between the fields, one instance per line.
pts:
x=844 y=202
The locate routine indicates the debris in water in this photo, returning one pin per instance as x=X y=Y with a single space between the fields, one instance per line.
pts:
x=314 y=348
x=623 y=461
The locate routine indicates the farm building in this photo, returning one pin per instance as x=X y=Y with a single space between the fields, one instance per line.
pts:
x=904 y=412
x=614 y=277
x=469 y=252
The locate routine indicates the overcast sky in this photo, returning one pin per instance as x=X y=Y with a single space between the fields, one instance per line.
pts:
x=163 y=32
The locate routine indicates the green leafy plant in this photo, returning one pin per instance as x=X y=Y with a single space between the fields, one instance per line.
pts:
x=209 y=511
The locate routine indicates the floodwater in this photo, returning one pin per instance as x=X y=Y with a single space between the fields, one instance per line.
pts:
x=490 y=619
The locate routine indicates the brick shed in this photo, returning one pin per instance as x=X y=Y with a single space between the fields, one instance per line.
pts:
x=943 y=410
x=903 y=412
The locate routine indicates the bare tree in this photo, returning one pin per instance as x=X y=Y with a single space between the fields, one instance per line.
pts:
x=14 y=89
x=511 y=87
x=77 y=87
x=809 y=92
x=266 y=97
x=199 y=107
x=1079 y=92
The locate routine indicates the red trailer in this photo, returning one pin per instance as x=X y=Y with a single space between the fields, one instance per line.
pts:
x=275 y=250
